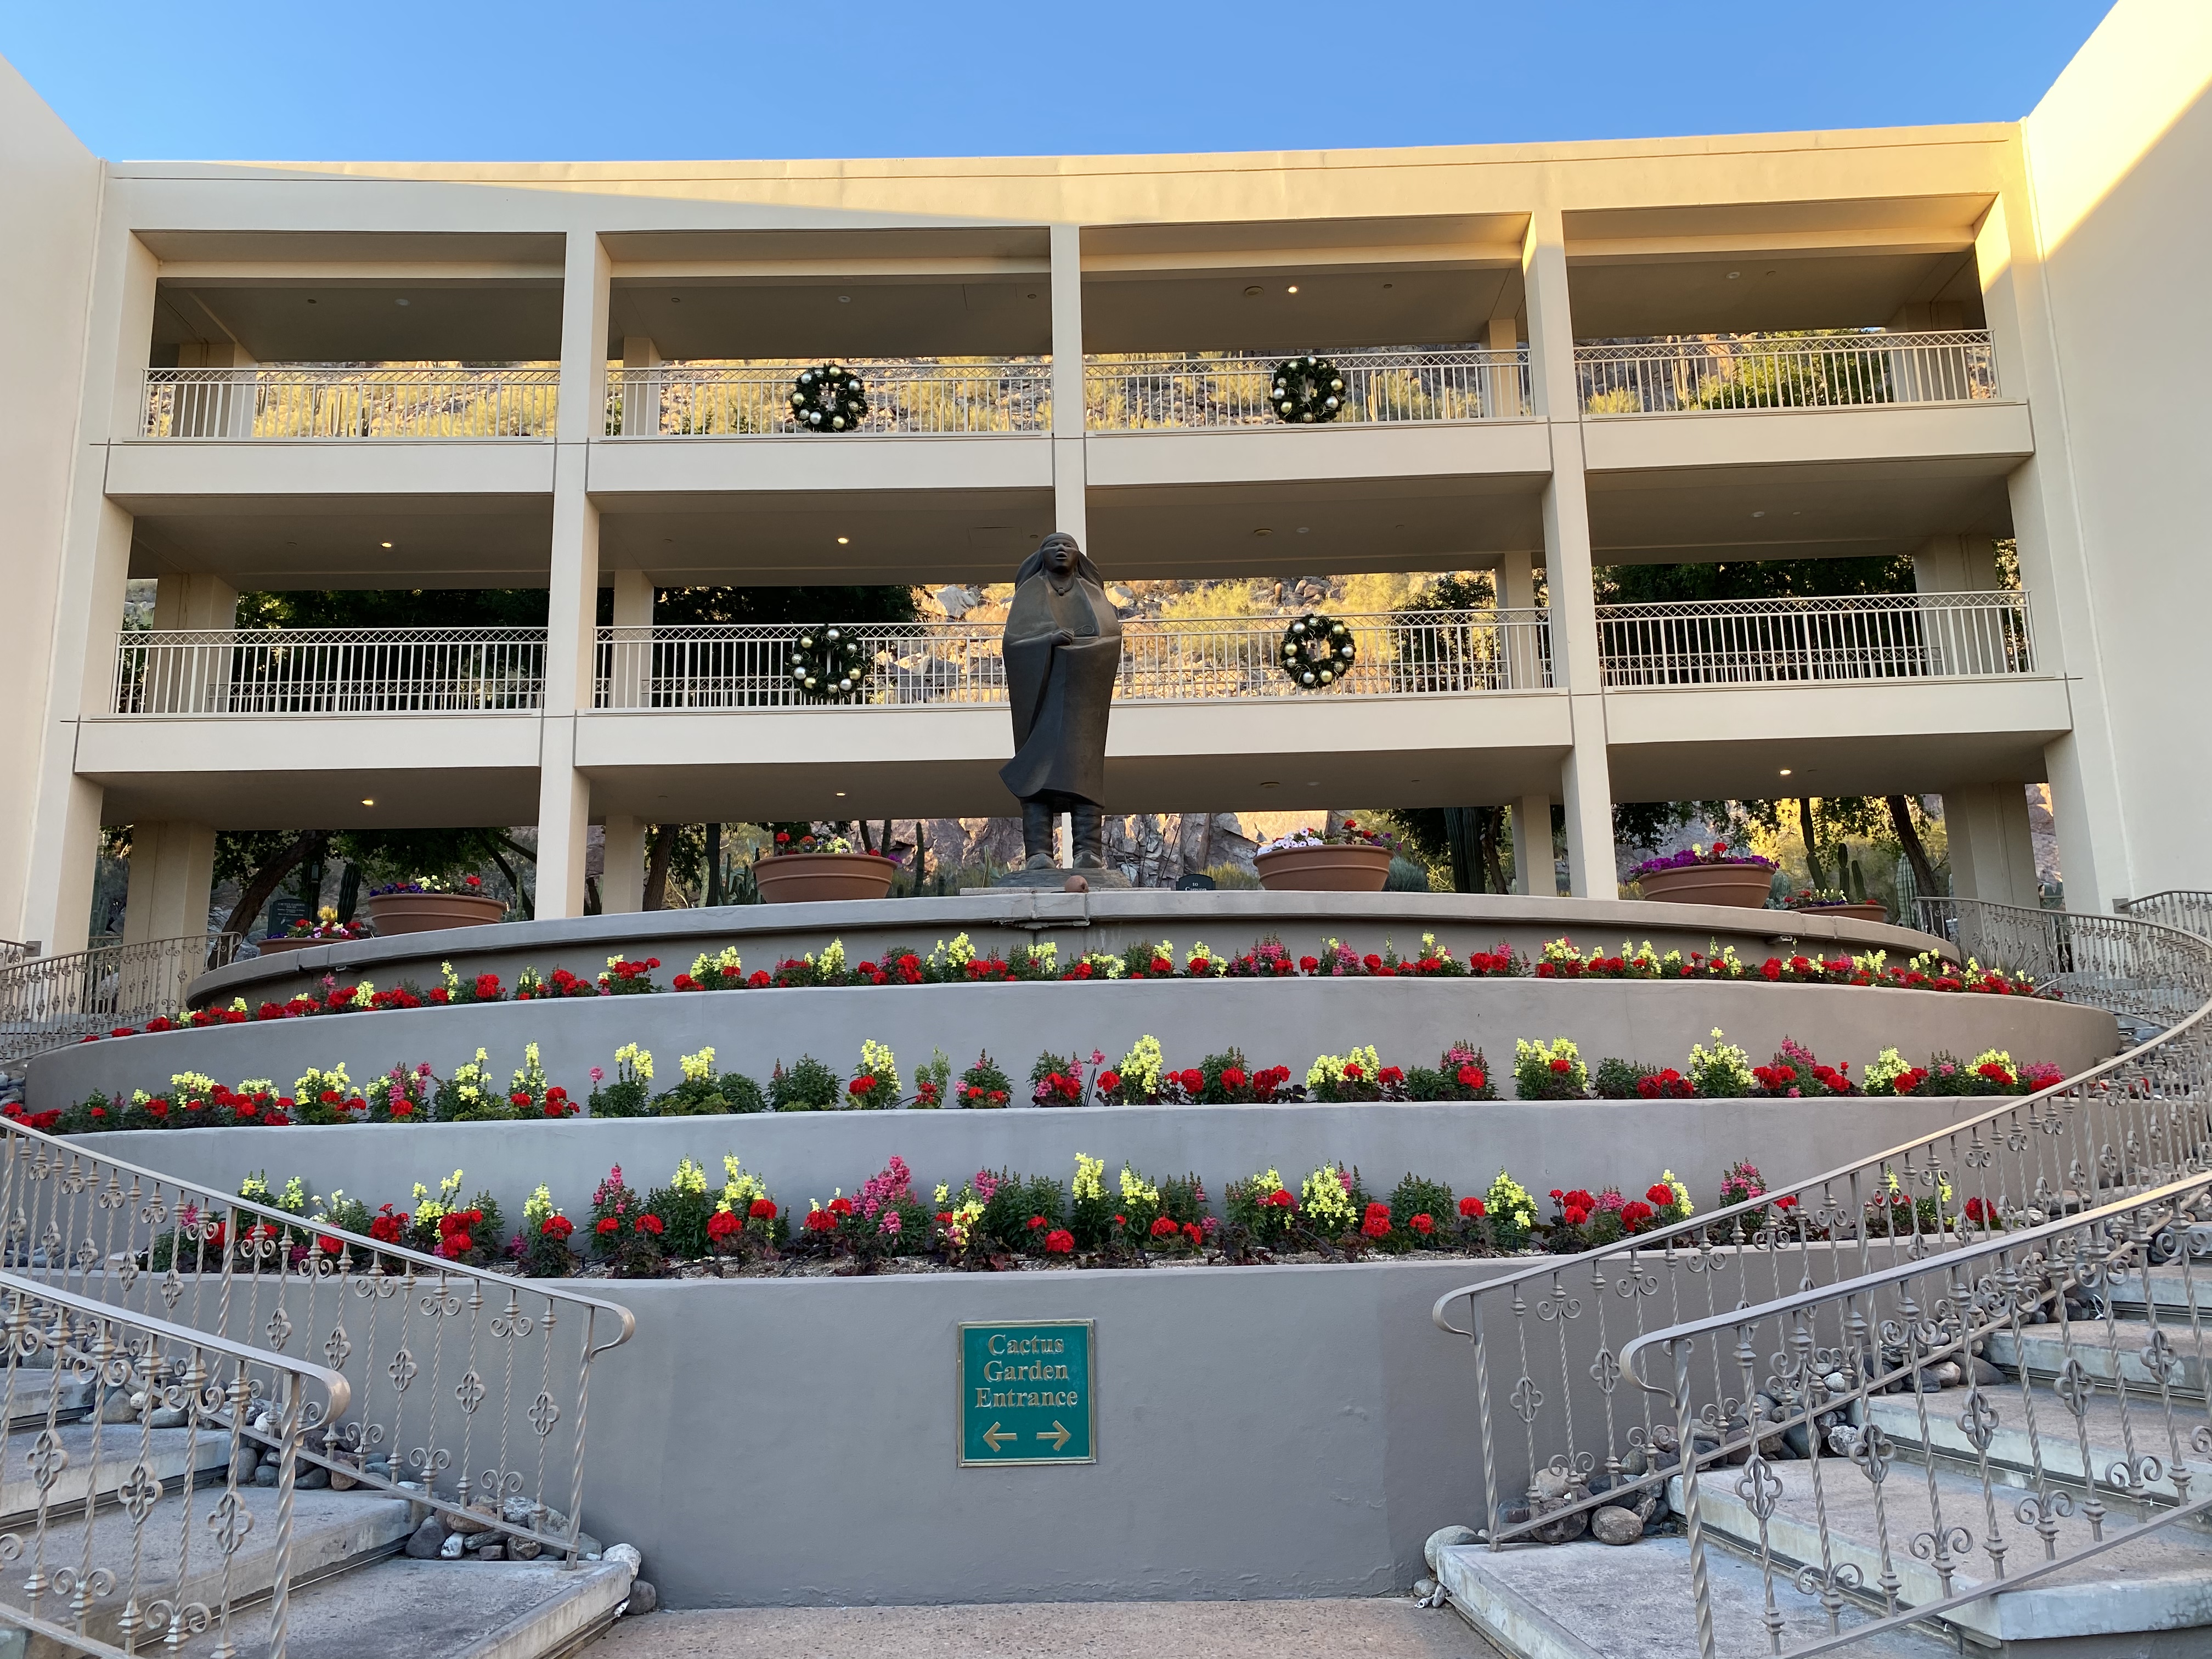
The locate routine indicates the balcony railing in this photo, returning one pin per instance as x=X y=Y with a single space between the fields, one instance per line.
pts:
x=335 y=670
x=953 y=663
x=48 y=1001
x=1698 y=374
x=965 y=396
x=1879 y=636
x=1228 y=389
x=350 y=403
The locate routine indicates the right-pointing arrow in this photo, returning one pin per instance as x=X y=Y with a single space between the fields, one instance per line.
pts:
x=1059 y=1437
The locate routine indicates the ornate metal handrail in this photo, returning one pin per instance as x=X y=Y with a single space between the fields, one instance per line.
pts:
x=2186 y=908
x=48 y=1001
x=1698 y=374
x=2122 y=1127
x=110 y=1570
x=2112 y=962
x=350 y=402
x=1395 y=385
x=911 y=395
x=329 y=670
x=1860 y=1366
x=1180 y=660
x=453 y=1367
x=1871 y=636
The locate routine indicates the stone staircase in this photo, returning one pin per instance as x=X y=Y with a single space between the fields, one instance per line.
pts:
x=2149 y=1450
x=352 y=1593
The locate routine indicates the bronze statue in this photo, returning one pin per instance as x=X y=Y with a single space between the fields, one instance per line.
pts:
x=1063 y=650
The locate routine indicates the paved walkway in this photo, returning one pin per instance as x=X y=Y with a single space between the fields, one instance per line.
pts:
x=1390 y=1626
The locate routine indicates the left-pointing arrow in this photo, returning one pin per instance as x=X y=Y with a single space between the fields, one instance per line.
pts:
x=999 y=1439
x=1059 y=1437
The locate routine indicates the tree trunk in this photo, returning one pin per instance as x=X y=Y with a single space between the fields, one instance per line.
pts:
x=656 y=865
x=1493 y=868
x=521 y=899
x=714 y=894
x=270 y=877
x=1460 y=835
x=1908 y=837
x=1810 y=832
x=885 y=842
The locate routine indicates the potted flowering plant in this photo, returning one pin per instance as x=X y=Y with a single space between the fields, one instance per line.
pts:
x=1346 y=860
x=428 y=904
x=325 y=929
x=805 y=868
x=1707 y=875
x=1829 y=902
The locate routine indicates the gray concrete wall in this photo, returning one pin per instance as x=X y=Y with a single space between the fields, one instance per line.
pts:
x=1263 y=1431
x=803 y=1156
x=1230 y=922
x=1284 y=1022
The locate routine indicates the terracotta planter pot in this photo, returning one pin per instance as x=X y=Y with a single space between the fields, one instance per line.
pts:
x=1866 y=911
x=1348 y=869
x=803 y=877
x=1743 y=886
x=269 y=947
x=427 y=913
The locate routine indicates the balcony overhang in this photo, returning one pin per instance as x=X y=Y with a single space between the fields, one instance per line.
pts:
x=146 y=475
x=1988 y=432
x=1287 y=454
x=799 y=462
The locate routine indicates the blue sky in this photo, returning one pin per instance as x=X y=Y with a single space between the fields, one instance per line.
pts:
x=659 y=79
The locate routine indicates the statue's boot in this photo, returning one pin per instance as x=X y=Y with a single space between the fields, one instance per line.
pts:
x=1036 y=836
x=1088 y=825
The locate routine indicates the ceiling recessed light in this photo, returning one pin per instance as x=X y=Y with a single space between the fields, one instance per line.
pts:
x=1263 y=530
x=1272 y=783
x=1313 y=783
x=1254 y=292
x=1292 y=289
x=1390 y=285
x=844 y=299
x=841 y=794
x=1733 y=275
x=1785 y=771
x=676 y=299
x=383 y=543
x=1760 y=514
x=399 y=302
x=844 y=541
x=369 y=800
x=1032 y=296
x=312 y=301
x=1303 y=528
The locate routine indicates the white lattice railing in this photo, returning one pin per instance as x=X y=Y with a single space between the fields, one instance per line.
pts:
x=753 y=399
x=1397 y=385
x=1880 y=636
x=1696 y=373
x=952 y=663
x=334 y=671
x=342 y=402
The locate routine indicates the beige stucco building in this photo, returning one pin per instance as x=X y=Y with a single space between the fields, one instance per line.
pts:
x=249 y=375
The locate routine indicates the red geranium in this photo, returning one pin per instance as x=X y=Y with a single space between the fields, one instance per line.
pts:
x=1661 y=1194
x=763 y=1209
x=1472 y=1208
x=1164 y=1227
x=649 y=1222
x=557 y=1226
x=608 y=1225
x=1376 y=1222
x=1424 y=1223
x=1058 y=1242
x=721 y=1225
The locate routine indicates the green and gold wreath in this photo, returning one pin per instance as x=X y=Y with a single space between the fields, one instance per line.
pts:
x=1306 y=388
x=828 y=399
x=826 y=665
x=1317 y=651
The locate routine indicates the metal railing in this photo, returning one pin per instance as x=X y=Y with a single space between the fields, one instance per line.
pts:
x=2187 y=909
x=1547 y=1340
x=329 y=670
x=126 y=1544
x=916 y=664
x=1942 y=1483
x=49 y=1001
x=1699 y=373
x=473 y=1386
x=1873 y=636
x=1399 y=385
x=350 y=402
x=907 y=395
x=2120 y=963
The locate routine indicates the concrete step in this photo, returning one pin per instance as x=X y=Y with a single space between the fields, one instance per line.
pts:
x=169 y=1453
x=1589 y=1601
x=2161 y=1580
x=2109 y=1424
x=2168 y=1287
x=467 y=1609
x=33 y=1392
x=331 y=1533
x=2040 y=1351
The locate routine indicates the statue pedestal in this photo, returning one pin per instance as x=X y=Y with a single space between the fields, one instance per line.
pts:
x=1056 y=880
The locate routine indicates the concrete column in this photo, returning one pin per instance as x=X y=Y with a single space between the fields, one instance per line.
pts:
x=1585 y=776
x=1958 y=642
x=171 y=874
x=629 y=661
x=1070 y=506
x=572 y=603
x=1992 y=851
x=1533 y=868
x=1506 y=400
x=1955 y=564
x=622 y=888
x=194 y=598
x=95 y=564
x=1515 y=580
x=641 y=404
x=183 y=679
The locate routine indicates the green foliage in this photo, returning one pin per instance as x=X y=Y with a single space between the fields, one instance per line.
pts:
x=807 y=1085
x=1616 y=1079
x=729 y=1091
x=1413 y=1196
x=1019 y=1215
x=784 y=604
x=984 y=1086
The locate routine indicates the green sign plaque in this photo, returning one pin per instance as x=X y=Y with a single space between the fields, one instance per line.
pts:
x=1025 y=1393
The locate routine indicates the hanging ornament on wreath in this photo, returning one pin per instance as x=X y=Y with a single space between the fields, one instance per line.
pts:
x=1306 y=388
x=828 y=399
x=1317 y=651
x=827 y=664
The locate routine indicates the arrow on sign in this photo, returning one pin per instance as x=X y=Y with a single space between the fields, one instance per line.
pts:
x=998 y=1438
x=1059 y=1437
